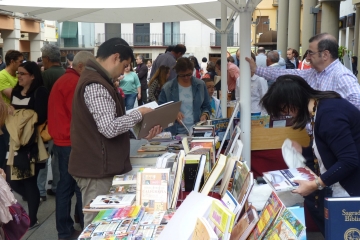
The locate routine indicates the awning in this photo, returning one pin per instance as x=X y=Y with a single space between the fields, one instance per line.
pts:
x=69 y=30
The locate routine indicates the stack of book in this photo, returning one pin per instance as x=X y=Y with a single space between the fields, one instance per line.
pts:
x=126 y=223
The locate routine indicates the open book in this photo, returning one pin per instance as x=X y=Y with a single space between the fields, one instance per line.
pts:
x=163 y=115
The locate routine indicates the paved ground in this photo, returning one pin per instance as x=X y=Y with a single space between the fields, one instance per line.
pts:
x=46 y=214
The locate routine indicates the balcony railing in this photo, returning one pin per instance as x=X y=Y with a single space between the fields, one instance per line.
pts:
x=143 y=39
x=232 y=40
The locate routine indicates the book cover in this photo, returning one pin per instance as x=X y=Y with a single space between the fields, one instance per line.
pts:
x=220 y=127
x=283 y=180
x=272 y=207
x=203 y=230
x=124 y=179
x=241 y=172
x=154 y=188
x=200 y=174
x=113 y=201
x=286 y=226
x=123 y=189
x=245 y=224
x=230 y=202
x=342 y=218
x=221 y=219
x=214 y=175
x=234 y=136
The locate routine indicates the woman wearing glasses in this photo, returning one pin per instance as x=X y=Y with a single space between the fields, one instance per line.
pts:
x=29 y=99
x=335 y=129
x=191 y=92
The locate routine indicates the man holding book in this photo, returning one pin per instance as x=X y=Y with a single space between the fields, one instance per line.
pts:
x=99 y=127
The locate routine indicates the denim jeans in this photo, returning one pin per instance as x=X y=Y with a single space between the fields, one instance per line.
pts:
x=66 y=188
x=130 y=100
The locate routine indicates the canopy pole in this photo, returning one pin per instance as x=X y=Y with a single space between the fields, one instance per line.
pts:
x=245 y=84
x=224 y=86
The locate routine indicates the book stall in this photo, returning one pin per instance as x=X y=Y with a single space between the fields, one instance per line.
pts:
x=193 y=187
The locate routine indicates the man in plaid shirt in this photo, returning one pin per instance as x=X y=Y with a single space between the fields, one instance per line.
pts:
x=327 y=72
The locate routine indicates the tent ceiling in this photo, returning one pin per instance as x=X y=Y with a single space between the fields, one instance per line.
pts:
x=139 y=11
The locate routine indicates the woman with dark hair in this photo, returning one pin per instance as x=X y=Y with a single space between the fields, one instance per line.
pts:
x=335 y=131
x=210 y=70
x=157 y=82
x=191 y=92
x=30 y=96
x=131 y=86
x=196 y=71
x=305 y=63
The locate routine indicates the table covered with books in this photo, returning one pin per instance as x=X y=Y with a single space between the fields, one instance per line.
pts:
x=183 y=189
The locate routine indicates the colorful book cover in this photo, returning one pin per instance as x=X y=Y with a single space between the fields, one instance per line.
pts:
x=222 y=219
x=342 y=218
x=272 y=207
x=286 y=226
x=241 y=172
x=283 y=180
x=154 y=190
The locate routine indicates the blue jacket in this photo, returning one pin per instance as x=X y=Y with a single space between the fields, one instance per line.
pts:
x=201 y=104
x=337 y=137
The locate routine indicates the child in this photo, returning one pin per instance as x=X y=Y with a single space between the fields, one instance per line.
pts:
x=214 y=102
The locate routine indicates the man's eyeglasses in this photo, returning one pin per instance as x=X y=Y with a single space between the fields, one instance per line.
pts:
x=312 y=53
x=185 y=75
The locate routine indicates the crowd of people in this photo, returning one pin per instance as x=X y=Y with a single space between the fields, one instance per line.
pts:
x=84 y=106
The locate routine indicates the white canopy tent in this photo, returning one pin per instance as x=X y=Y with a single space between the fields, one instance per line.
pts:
x=145 y=11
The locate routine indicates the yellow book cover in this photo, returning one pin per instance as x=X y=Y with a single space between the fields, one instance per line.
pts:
x=221 y=216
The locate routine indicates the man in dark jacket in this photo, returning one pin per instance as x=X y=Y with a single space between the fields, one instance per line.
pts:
x=292 y=62
x=142 y=71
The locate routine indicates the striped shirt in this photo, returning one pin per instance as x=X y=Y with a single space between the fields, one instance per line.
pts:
x=335 y=77
x=103 y=108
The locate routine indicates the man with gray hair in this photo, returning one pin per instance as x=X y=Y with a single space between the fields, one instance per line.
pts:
x=142 y=71
x=52 y=65
x=59 y=118
x=53 y=70
x=272 y=60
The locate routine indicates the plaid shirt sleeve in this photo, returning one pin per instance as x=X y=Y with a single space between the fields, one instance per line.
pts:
x=102 y=107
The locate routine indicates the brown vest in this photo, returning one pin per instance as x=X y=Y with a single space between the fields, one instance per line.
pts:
x=92 y=154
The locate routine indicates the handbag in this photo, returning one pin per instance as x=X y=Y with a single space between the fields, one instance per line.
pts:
x=16 y=228
x=44 y=132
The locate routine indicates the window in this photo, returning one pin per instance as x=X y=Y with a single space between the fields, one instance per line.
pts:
x=142 y=34
x=230 y=36
x=171 y=32
x=112 y=30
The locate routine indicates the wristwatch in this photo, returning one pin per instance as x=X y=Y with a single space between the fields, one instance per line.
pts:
x=319 y=187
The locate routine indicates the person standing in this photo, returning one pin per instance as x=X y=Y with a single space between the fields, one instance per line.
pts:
x=59 y=112
x=99 y=125
x=30 y=95
x=131 y=86
x=292 y=62
x=8 y=80
x=168 y=59
x=141 y=71
x=53 y=70
x=261 y=57
x=157 y=82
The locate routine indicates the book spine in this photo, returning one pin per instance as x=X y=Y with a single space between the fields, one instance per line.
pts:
x=138 y=189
